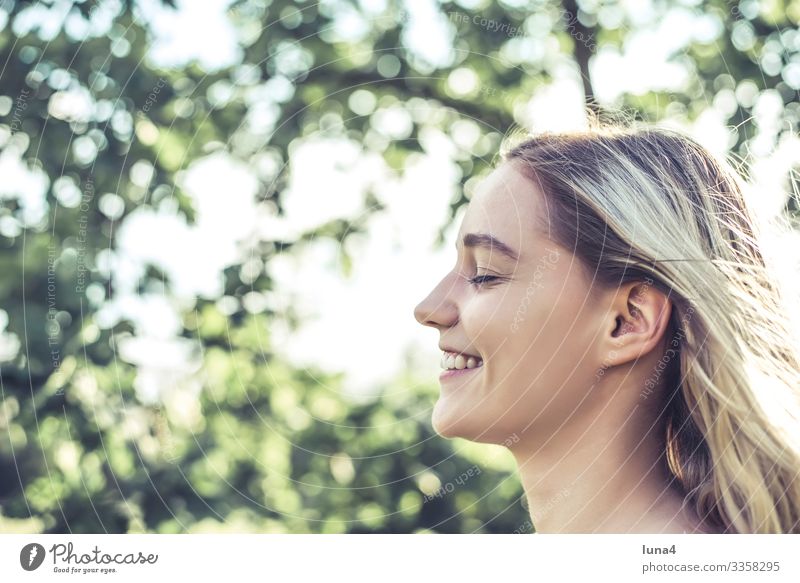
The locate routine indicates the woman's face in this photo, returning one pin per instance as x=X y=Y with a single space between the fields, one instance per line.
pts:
x=533 y=325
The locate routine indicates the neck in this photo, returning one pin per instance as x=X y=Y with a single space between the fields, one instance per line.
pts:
x=609 y=475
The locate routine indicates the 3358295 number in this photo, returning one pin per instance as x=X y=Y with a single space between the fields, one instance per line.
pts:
x=755 y=566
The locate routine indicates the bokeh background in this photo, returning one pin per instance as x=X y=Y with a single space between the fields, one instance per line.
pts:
x=216 y=218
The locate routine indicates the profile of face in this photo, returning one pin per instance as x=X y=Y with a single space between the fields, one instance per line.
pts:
x=520 y=303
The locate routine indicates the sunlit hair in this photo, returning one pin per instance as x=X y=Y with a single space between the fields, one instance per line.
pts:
x=645 y=203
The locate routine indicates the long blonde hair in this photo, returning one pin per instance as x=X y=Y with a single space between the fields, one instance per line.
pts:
x=642 y=203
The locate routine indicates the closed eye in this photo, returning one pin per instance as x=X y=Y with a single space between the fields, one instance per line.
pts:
x=481 y=279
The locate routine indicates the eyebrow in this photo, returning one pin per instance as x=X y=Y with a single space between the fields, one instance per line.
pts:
x=489 y=242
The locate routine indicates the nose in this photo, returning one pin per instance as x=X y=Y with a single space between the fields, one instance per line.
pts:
x=438 y=309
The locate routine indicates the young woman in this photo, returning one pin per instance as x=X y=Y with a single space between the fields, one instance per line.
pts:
x=612 y=320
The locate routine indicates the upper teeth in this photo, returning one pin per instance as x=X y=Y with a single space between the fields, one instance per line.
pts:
x=451 y=360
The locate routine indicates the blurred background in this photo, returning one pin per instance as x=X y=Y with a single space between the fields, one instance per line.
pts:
x=217 y=217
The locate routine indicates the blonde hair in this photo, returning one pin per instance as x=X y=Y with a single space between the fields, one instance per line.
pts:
x=650 y=204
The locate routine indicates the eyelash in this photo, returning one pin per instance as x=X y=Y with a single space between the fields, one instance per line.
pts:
x=481 y=279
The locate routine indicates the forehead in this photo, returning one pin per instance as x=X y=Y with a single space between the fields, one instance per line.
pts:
x=506 y=204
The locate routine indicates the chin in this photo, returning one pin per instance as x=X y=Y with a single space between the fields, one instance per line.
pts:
x=449 y=423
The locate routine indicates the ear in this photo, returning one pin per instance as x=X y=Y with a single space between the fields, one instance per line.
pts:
x=637 y=320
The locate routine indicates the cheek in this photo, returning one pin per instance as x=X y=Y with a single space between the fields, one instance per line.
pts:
x=549 y=346
x=489 y=319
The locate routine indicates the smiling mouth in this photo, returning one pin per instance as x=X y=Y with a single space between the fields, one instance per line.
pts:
x=455 y=372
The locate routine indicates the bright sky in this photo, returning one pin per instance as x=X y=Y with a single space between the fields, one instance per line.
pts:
x=362 y=325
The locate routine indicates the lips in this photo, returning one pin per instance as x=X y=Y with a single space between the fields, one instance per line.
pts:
x=458 y=373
